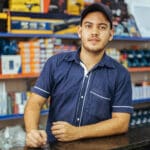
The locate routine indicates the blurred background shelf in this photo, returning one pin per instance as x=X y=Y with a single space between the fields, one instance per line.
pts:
x=70 y=36
x=35 y=75
x=142 y=100
x=139 y=69
x=18 y=116
x=19 y=76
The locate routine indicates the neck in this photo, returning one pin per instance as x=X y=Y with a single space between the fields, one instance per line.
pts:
x=90 y=59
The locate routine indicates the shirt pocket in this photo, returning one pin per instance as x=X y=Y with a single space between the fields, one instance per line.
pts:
x=99 y=105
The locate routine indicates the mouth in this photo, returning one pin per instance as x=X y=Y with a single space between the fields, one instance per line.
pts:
x=94 y=39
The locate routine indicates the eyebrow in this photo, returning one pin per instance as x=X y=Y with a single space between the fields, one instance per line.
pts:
x=98 y=24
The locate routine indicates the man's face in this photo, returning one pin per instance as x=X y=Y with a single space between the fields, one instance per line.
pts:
x=95 y=32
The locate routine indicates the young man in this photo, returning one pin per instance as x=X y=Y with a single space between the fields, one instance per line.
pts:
x=90 y=92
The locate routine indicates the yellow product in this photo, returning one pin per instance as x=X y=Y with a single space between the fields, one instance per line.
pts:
x=24 y=1
x=25 y=8
x=16 y=1
x=75 y=6
x=35 y=9
x=19 y=7
x=3 y=16
x=33 y=1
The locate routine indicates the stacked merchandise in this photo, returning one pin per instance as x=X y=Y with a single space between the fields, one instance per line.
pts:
x=35 y=53
x=124 y=22
x=135 y=57
x=141 y=90
x=10 y=60
x=14 y=102
x=131 y=57
x=140 y=117
x=46 y=50
x=30 y=55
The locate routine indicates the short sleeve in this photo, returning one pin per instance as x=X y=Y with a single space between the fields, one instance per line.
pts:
x=44 y=83
x=122 y=101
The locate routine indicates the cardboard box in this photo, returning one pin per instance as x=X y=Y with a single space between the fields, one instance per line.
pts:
x=75 y=7
x=29 y=5
x=31 y=25
x=10 y=64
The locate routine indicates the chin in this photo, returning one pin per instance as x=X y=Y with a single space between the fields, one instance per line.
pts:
x=95 y=50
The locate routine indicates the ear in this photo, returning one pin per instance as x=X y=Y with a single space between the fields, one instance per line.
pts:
x=79 y=31
x=111 y=34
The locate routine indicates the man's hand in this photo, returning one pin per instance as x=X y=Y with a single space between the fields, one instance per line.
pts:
x=64 y=131
x=36 y=138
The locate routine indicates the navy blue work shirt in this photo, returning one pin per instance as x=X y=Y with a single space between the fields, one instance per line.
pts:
x=80 y=97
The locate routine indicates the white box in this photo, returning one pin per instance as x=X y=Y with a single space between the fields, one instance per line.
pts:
x=10 y=64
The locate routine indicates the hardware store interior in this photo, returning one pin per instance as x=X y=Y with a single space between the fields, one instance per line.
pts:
x=32 y=31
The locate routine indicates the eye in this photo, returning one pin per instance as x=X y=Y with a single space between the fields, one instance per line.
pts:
x=102 y=27
x=88 y=25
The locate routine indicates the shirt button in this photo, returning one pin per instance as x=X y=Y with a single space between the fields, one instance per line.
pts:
x=78 y=119
x=81 y=97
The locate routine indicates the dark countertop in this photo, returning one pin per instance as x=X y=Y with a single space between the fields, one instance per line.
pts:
x=135 y=139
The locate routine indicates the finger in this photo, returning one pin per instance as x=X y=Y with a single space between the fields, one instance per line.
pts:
x=31 y=142
x=43 y=136
x=62 y=139
x=35 y=135
x=60 y=136
x=57 y=127
x=60 y=122
x=38 y=137
x=57 y=132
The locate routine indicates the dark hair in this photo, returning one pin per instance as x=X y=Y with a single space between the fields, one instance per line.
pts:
x=97 y=7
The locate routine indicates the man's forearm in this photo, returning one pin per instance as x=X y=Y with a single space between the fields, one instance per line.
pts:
x=31 y=117
x=64 y=131
x=105 y=128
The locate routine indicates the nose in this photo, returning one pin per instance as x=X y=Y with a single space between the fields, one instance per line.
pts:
x=95 y=31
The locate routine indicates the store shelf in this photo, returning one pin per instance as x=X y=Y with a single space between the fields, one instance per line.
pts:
x=139 y=69
x=19 y=76
x=70 y=36
x=24 y=35
x=62 y=36
x=143 y=100
x=18 y=116
x=50 y=15
x=127 y=38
